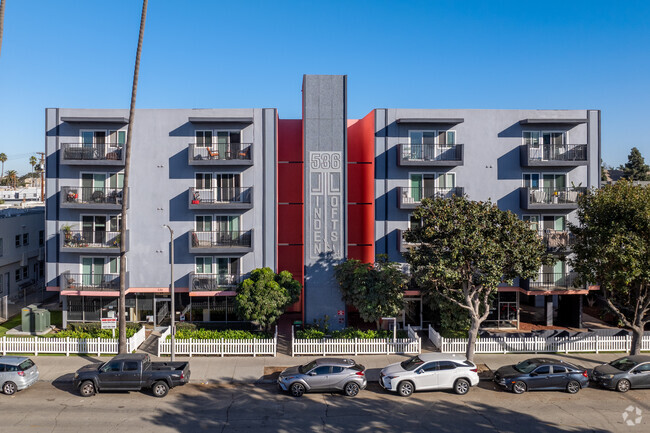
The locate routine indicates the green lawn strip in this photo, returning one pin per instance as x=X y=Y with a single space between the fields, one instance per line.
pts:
x=10 y=324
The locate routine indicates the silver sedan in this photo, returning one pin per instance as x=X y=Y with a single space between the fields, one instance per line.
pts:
x=16 y=373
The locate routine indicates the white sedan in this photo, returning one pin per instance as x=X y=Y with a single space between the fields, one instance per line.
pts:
x=430 y=371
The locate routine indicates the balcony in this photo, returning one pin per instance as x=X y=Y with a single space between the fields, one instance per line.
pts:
x=213 y=282
x=230 y=242
x=550 y=198
x=402 y=245
x=563 y=155
x=411 y=197
x=430 y=155
x=237 y=154
x=77 y=197
x=91 y=242
x=221 y=198
x=557 y=241
x=551 y=281
x=92 y=154
x=88 y=282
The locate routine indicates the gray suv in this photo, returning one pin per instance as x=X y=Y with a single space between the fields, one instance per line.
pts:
x=16 y=373
x=324 y=374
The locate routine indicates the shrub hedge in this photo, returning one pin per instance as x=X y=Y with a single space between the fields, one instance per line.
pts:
x=349 y=334
x=207 y=334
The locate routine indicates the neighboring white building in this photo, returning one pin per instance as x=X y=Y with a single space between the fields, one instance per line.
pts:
x=32 y=193
x=22 y=255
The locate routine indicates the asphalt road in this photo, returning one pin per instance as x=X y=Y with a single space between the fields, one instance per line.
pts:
x=56 y=407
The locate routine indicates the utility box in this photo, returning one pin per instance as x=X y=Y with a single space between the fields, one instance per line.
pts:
x=27 y=318
x=41 y=320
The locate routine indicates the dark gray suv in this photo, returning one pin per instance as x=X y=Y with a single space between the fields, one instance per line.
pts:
x=324 y=374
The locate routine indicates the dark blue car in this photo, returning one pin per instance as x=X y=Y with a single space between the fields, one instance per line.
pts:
x=542 y=374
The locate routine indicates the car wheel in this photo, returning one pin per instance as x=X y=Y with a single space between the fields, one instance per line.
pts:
x=160 y=389
x=87 y=388
x=297 y=389
x=9 y=388
x=623 y=385
x=351 y=389
x=461 y=387
x=519 y=387
x=573 y=387
x=405 y=389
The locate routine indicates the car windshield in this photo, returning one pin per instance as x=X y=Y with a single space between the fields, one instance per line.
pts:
x=305 y=368
x=412 y=364
x=623 y=364
x=526 y=366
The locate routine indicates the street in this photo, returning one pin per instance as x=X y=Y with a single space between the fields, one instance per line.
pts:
x=56 y=407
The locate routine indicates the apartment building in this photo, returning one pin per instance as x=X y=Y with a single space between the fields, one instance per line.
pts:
x=244 y=189
x=22 y=255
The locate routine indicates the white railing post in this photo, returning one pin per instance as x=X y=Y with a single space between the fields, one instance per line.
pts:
x=596 y=343
x=67 y=346
x=223 y=347
x=35 y=346
x=292 y=342
x=356 y=347
x=4 y=345
x=324 y=348
x=189 y=347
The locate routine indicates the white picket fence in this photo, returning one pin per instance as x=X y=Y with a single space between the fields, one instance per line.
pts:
x=221 y=347
x=356 y=346
x=67 y=346
x=583 y=342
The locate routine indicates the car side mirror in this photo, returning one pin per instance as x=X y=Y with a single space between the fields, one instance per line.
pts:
x=312 y=374
x=419 y=371
x=533 y=374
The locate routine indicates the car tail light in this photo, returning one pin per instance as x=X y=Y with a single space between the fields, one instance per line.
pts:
x=360 y=373
x=20 y=373
x=182 y=375
x=584 y=373
x=475 y=370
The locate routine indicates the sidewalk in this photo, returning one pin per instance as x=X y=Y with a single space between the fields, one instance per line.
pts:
x=217 y=370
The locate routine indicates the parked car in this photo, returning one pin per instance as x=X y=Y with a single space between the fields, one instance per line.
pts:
x=430 y=371
x=131 y=372
x=324 y=374
x=16 y=373
x=542 y=374
x=624 y=373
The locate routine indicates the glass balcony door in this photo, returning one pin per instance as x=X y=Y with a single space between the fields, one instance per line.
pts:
x=92 y=270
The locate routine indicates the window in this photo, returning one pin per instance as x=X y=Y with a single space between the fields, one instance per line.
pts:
x=644 y=368
x=2 y=286
x=25 y=270
x=203 y=138
x=446 y=365
x=41 y=238
x=430 y=367
x=111 y=367
x=114 y=265
x=531 y=138
x=533 y=221
x=544 y=369
x=203 y=265
x=117 y=138
x=228 y=144
x=203 y=223
x=203 y=181
x=227 y=223
x=17 y=241
x=35 y=269
x=41 y=270
x=25 y=238
x=322 y=370
x=559 y=369
x=17 y=274
x=116 y=180
x=414 y=223
x=337 y=370
x=1 y=247
x=130 y=366
x=531 y=180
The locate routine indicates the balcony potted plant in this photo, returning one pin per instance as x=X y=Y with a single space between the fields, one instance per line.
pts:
x=116 y=241
x=196 y=198
x=67 y=233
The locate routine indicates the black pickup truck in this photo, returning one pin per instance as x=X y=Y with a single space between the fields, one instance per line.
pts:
x=131 y=372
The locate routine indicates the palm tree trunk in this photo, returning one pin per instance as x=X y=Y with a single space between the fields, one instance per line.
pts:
x=2 y=20
x=125 y=193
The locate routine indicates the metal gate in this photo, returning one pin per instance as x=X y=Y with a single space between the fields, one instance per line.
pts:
x=161 y=318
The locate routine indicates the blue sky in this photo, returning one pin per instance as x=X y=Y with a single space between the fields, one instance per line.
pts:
x=418 y=54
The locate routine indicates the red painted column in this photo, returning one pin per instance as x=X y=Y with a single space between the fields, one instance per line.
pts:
x=290 y=203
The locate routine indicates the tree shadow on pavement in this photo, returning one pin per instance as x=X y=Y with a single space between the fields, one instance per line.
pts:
x=261 y=408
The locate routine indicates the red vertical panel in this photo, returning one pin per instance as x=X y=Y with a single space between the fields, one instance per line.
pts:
x=291 y=227
x=361 y=183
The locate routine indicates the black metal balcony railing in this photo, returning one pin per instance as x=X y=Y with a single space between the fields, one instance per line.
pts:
x=215 y=152
x=91 y=195
x=558 y=152
x=431 y=152
x=555 y=195
x=221 y=195
x=212 y=282
x=91 y=152
x=90 y=239
x=416 y=194
x=557 y=240
x=550 y=280
x=91 y=282
x=221 y=239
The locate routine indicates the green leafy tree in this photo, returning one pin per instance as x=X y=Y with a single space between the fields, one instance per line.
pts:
x=613 y=248
x=603 y=173
x=3 y=159
x=464 y=249
x=264 y=296
x=376 y=290
x=635 y=168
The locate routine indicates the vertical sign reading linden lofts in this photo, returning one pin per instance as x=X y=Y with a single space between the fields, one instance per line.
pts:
x=325 y=139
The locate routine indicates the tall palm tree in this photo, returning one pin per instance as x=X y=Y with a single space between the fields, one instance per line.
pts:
x=32 y=162
x=2 y=19
x=125 y=194
x=3 y=159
